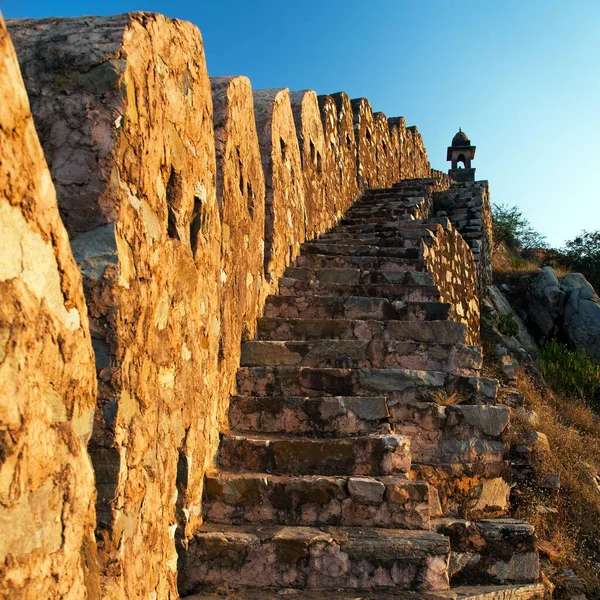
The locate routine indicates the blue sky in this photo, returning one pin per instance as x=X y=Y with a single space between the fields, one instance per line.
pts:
x=522 y=78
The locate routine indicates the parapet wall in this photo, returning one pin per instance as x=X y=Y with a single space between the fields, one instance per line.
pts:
x=185 y=198
x=467 y=206
x=47 y=375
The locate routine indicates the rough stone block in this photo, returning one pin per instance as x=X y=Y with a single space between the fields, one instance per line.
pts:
x=384 y=151
x=284 y=199
x=347 y=150
x=241 y=198
x=47 y=374
x=124 y=111
x=316 y=166
x=366 y=143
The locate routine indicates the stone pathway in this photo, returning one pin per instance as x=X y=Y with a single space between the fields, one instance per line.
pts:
x=347 y=466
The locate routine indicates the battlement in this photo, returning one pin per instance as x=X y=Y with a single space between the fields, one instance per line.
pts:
x=184 y=198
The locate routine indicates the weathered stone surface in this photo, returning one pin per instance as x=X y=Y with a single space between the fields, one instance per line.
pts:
x=364 y=455
x=347 y=150
x=545 y=300
x=581 y=320
x=366 y=143
x=395 y=156
x=311 y=558
x=284 y=200
x=454 y=272
x=316 y=166
x=315 y=501
x=467 y=206
x=333 y=157
x=384 y=152
x=47 y=375
x=124 y=110
x=241 y=198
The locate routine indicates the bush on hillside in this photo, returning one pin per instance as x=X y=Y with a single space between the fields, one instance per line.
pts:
x=512 y=228
x=582 y=255
x=570 y=372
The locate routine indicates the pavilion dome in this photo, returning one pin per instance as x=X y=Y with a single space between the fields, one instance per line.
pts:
x=461 y=139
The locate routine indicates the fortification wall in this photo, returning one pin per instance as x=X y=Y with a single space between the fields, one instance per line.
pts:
x=467 y=206
x=450 y=260
x=47 y=375
x=184 y=199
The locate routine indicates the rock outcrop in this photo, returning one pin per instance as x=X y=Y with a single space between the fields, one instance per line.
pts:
x=567 y=306
x=47 y=374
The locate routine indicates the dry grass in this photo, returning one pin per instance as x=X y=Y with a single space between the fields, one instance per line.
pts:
x=446 y=398
x=573 y=430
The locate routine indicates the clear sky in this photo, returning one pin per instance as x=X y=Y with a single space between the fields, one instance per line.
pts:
x=521 y=77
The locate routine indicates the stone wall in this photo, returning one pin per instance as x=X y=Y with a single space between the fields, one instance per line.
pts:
x=468 y=207
x=241 y=198
x=285 y=226
x=347 y=150
x=450 y=260
x=316 y=165
x=124 y=112
x=47 y=375
x=185 y=199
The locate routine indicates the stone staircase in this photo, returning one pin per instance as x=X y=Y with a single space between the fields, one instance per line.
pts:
x=347 y=470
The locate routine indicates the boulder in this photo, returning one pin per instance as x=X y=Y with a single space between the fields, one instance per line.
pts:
x=545 y=300
x=581 y=319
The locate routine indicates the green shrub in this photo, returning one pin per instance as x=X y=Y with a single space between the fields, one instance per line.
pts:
x=570 y=372
x=582 y=255
x=507 y=324
x=512 y=228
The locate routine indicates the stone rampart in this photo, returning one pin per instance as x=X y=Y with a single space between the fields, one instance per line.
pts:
x=47 y=375
x=185 y=199
x=467 y=205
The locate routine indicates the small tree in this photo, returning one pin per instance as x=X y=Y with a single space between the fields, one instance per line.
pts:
x=512 y=228
x=582 y=254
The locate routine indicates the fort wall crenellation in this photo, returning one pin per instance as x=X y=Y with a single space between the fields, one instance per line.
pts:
x=184 y=198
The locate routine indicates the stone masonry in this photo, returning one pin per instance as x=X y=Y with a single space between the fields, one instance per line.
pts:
x=47 y=375
x=193 y=206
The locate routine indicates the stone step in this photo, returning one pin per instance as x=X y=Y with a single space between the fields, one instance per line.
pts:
x=403 y=292
x=468 y=490
x=354 y=307
x=407 y=226
x=400 y=242
x=490 y=551
x=349 y=415
x=531 y=591
x=396 y=384
x=260 y=498
x=315 y=558
x=335 y=416
x=383 y=454
x=315 y=247
x=459 y=359
x=441 y=332
x=353 y=276
x=378 y=235
x=375 y=263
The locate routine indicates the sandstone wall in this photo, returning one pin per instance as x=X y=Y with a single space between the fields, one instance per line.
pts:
x=366 y=143
x=347 y=147
x=315 y=162
x=284 y=199
x=333 y=155
x=184 y=203
x=450 y=260
x=47 y=375
x=468 y=207
x=395 y=148
x=124 y=112
x=241 y=198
